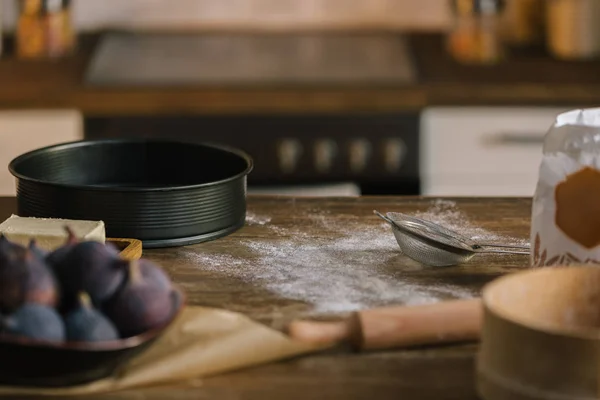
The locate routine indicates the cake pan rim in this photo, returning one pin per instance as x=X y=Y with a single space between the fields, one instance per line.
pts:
x=115 y=189
x=192 y=240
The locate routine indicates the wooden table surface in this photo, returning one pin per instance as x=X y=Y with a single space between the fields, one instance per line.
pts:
x=425 y=373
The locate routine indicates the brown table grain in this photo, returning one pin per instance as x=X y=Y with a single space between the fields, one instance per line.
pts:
x=425 y=373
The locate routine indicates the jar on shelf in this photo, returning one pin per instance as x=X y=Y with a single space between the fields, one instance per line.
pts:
x=565 y=220
x=524 y=23
x=476 y=34
x=573 y=29
x=1 y=31
x=44 y=29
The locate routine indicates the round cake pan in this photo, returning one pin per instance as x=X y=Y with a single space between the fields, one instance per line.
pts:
x=541 y=335
x=165 y=193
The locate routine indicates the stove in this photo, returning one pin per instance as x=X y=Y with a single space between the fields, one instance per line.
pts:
x=379 y=153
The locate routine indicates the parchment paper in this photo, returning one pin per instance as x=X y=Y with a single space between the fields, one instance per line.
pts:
x=201 y=341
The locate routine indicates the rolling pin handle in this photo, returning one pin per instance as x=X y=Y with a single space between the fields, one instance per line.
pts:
x=397 y=326
x=320 y=332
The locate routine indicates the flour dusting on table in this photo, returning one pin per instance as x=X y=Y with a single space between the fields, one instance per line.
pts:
x=351 y=265
x=253 y=219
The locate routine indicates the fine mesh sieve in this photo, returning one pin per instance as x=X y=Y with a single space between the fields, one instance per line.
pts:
x=434 y=245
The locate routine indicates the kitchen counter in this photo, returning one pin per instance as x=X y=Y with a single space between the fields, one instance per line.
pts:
x=524 y=79
x=255 y=271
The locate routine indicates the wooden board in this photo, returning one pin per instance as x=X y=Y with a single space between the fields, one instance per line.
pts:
x=131 y=249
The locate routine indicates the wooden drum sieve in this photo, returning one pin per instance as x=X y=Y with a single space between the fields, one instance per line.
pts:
x=540 y=335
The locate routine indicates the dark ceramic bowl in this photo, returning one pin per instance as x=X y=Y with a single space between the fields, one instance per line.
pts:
x=31 y=363
x=162 y=192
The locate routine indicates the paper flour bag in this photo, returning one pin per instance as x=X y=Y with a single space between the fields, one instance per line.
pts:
x=565 y=220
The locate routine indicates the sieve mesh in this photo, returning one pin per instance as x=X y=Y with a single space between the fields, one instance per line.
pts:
x=432 y=244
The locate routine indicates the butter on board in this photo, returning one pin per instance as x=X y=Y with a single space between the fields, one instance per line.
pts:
x=50 y=233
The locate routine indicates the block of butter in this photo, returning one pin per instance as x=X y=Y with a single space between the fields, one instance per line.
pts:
x=50 y=233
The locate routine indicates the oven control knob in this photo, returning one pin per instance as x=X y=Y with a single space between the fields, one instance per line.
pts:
x=360 y=151
x=325 y=153
x=394 y=152
x=289 y=152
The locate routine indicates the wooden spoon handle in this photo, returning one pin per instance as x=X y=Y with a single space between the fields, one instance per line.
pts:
x=392 y=327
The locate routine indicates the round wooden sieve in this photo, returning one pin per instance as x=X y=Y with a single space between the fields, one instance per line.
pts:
x=541 y=335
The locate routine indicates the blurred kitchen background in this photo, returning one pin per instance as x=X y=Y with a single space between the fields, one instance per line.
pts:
x=330 y=97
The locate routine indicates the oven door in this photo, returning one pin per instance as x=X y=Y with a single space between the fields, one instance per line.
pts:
x=309 y=154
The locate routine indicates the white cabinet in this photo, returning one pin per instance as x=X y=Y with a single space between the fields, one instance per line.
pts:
x=22 y=131
x=482 y=151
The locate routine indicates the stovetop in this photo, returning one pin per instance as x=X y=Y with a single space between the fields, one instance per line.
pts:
x=153 y=59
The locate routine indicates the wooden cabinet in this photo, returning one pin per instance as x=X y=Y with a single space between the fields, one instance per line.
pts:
x=482 y=151
x=22 y=131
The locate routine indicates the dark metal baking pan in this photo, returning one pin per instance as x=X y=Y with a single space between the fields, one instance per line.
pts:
x=163 y=192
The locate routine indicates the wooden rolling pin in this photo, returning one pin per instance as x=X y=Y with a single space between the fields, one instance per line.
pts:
x=399 y=326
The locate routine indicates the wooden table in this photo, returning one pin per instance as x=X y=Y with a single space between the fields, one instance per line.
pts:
x=425 y=373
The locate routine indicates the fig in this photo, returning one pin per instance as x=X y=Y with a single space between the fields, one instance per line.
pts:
x=38 y=252
x=153 y=272
x=56 y=257
x=142 y=303
x=25 y=278
x=87 y=324
x=35 y=321
x=90 y=267
x=9 y=248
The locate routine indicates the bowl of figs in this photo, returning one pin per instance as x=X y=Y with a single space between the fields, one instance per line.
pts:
x=78 y=313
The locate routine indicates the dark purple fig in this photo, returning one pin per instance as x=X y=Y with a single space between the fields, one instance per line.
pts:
x=38 y=252
x=154 y=273
x=56 y=257
x=87 y=324
x=141 y=304
x=35 y=321
x=9 y=248
x=11 y=274
x=90 y=267
x=25 y=279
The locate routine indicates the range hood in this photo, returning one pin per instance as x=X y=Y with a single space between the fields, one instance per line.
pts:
x=174 y=59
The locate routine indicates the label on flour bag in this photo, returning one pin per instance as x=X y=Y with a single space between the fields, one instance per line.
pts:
x=565 y=219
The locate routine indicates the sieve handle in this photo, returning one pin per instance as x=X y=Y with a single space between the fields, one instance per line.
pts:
x=501 y=251
x=505 y=246
x=385 y=218
x=399 y=326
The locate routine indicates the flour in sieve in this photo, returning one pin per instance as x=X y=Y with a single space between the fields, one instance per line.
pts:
x=355 y=267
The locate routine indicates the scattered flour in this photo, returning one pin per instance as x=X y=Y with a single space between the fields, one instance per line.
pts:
x=253 y=219
x=447 y=214
x=351 y=266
